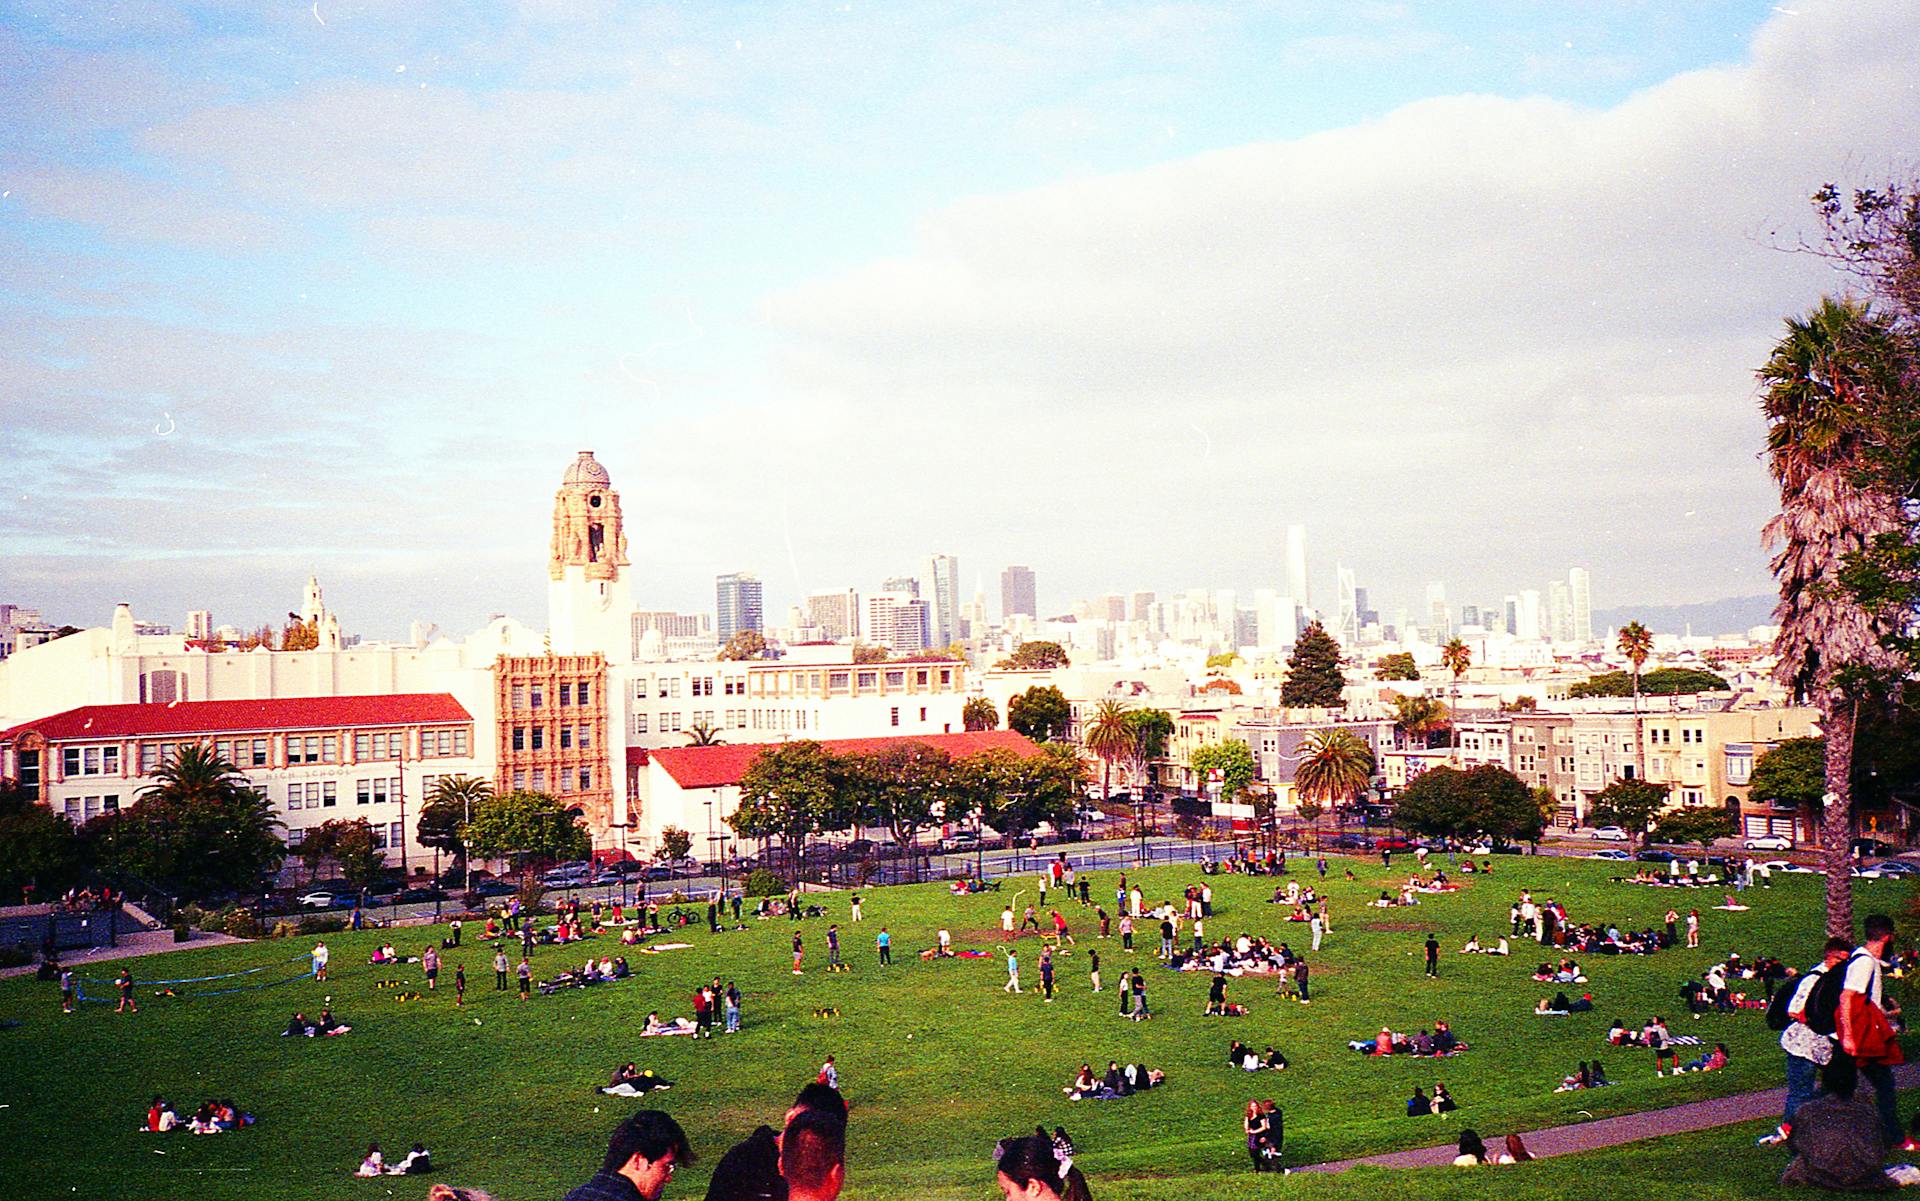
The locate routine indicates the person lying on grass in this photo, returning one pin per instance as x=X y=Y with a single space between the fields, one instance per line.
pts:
x=629 y=1081
x=655 y=1026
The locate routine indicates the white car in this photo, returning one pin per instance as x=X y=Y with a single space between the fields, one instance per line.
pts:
x=1792 y=868
x=1610 y=834
x=1610 y=853
x=321 y=900
x=1768 y=842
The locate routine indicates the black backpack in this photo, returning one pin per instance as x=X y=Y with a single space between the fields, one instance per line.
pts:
x=1823 y=1006
x=1777 y=1018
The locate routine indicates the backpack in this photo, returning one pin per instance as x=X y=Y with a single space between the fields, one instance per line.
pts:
x=1823 y=1005
x=1777 y=1018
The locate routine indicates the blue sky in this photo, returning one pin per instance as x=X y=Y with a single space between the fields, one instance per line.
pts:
x=1474 y=291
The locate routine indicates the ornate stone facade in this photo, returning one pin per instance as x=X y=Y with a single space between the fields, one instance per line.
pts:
x=587 y=529
x=551 y=732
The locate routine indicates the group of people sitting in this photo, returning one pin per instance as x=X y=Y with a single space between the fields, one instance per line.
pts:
x=1118 y=1082
x=1588 y=1075
x=213 y=1117
x=1291 y=893
x=1474 y=1152
x=1564 y=972
x=655 y=1027
x=1441 y=1103
x=1440 y=1041
x=386 y=955
x=1559 y=1006
x=1240 y=1055
x=416 y=1162
x=629 y=1080
x=1243 y=956
x=301 y=1026
x=593 y=971
x=1476 y=947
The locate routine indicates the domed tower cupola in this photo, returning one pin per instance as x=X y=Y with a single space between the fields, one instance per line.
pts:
x=587 y=530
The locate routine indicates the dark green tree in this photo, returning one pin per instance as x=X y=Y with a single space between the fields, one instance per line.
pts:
x=1694 y=825
x=1397 y=666
x=443 y=817
x=904 y=787
x=1664 y=681
x=1041 y=714
x=789 y=792
x=1233 y=759
x=675 y=844
x=979 y=714
x=1035 y=656
x=199 y=829
x=1630 y=804
x=745 y=644
x=1314 y=677
x=527 y=828
x=348 y=843
x=38 y=847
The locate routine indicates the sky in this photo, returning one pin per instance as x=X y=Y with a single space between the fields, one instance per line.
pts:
x=1474 y=291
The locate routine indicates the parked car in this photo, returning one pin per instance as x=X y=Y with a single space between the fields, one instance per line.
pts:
x=1392 y=843
x=1873 y=846
x=1892 y=869
x=1350 y=842
x=960 y=840
x=492 y=888
x=323 y=899
x=1610 y=834
x=1768 y=842
x=570 y=875
x=1787 y=865
x=1610 y=853
x=1657 y=855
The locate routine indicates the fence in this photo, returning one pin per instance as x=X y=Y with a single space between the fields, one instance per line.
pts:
x=65 y=931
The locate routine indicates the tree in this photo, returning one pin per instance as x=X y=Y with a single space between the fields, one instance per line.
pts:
x=1520 y=704
x=200 y=828
x=1456 y=658
x=1694 y=825
x=1794 y=773
x=745 y=644
x=1041 y=714
x=1482 y=800
x=703 y=734
x=1662 y=681
x=1111 y=735
x=443 y=817
x=1034 y=656
x=1014 y=793
x=1630 y=804
x=528 y=827
x=1636 y=643
x=1314 y=679
x=39 y=848
x=675 y=844
x=1152 y=731
x=903 y=787
x=788 y=792
x=979 y=714
x=1399 y=666
x=349 y=843
x=1419 y=718
x=863 y=653
x=1231 y=758
x=1221 y=684
x=299 y=635
x=1336 y=765
x=1222 y=661
x=1828 y=387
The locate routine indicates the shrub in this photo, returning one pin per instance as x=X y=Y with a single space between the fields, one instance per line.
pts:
x=763 y=883
x=322 y=923
x=283 y=929
x=241 y=923
x=191 y=915
x=15 y=954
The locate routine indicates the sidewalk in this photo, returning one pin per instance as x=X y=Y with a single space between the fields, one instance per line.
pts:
x=1609 y=1132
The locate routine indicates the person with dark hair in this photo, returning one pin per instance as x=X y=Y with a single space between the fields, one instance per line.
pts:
x=1861 y=1025
x=1418 y=1106
x=1027 y=1170
x=1836 y=1138
x=1473 y=1152
x=813 y=1156
x=641 y=1156
x=750 y=1170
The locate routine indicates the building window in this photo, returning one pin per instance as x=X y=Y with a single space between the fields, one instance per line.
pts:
x=566 y=695
x=566 y=738
x=28 y=764
x=397 y=833
x=519 y=781
x=539 y=780
x=363 y=792
x=293 y=796
x=363 y=746
x=296 y=837
x=894 y=720
x=586 y=779
x=639 y=723
x=329 y=794
x=70 y=761
x=896 y=679
x=259 y=752
x=923 y=713
x=673 y=686
x=380 y=838
x=868 y=679
x=519 y=738
x=583 y=738
x=837 y=681
x=946 y=676
x=537 y=695
x=585 y=692
x=539 y=737
x=330 y=749
x=519 y=696
x=460 y=747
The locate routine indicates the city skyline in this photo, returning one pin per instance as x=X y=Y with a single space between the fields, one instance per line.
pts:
x=1083 y=279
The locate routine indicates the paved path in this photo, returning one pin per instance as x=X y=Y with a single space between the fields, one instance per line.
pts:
x=1608 y=1132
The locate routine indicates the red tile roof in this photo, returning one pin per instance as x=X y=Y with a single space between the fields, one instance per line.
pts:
x=636 y=756
x=229 y=717
x=720 y=766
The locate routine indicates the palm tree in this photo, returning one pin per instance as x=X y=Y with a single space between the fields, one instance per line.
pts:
x=703 y=734
x=1636 y=643
x=196 y=772
x=1456 y=658
x=1419 y=718
x=1825 y=390
x=451 y=795
x=1337 y=765
x=1111 y=736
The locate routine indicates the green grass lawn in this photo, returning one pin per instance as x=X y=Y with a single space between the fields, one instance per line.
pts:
x=937 y=1062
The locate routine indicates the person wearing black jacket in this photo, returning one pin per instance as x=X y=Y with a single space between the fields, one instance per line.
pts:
x=750 y=1170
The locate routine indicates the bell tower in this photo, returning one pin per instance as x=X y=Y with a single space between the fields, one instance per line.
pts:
x=588 y=605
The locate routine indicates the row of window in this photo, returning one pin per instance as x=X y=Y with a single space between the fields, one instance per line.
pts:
x=535 y=738
x=90 y=761
x=565 y=780
x=1689 y=736
x=385 y=834
x=534 y=696
x=82 y=809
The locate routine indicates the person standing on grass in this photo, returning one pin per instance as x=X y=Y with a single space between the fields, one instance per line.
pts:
x=1166 y=938
x=856 y=908
x=733 y=1009
x=1013 y=973
x=1433 y=957
x=1693 y=927
x=1862 y=1026
x=124 y=982
x=1199 y=935
x=1314 y=924
x=320 y=957
x=1807 y=1051
x=883 y=942
x=1093 y=968
x=500 y=966
x=799 y=949
x=460 y=985
x=1660 y=1042
x=833 y=947
x=1139 y=983
x=1060 y=931
x=430 y=964
x=66 y=990
x=1106 y=923
x=525 y=972
x=1126 y=933
x=1030 y=918
x=1046 y=974
x=1300 y=981
x=1673 y=933
x=829 y=1075
x=1206 y=899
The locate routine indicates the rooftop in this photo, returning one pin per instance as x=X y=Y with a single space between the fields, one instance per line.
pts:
x=227 y=717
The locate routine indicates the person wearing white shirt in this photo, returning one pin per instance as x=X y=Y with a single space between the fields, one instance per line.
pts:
x=1863 y=977
x=1806 y=1050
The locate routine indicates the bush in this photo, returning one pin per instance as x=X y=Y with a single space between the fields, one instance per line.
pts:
x=15 y=955
x=191 y=915
x=283 y=929
x=763 y=883
x=241 y=923
x=322 y=923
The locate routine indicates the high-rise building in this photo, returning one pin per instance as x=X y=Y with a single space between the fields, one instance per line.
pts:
x=1297 y=586
x=1113 y=607
x=1347 y=622
x=1526 y=624
x=1246 y=628
x=1581 y=586
x=1469 y=617
x=1559 y=611
x=736 y=605
x=199 y=623
x=835 y=614
x=1510 y=614
x=1439 y=617
x=897 y=620
x=943 y=599
x=901 y=583
x=1277 y=619
x=1142 y=605
x=1017 y=593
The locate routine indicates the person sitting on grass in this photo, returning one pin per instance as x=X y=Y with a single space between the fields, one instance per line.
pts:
x=1620 y=1036
x=299 y=1027
x=629 y=1081
x=1712 y=1061
x=1084 y=1084
x=1273 y=1060
x=655 y=1026
x=1443 y=1102
x=1583 y=1078
x=417 y=1162
x=1141 y=1077
x=329 y=1025
x=161 y=1117
x=1418 y=1105
x=374 y=1164
x=1237 y=1053
x=1115 y=1084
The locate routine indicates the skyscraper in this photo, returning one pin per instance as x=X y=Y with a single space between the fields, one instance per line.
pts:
x=1439 y=619
x=1559 y=611
x=897 y=621
x=1347 y=623
x=1297 y=566
x=1113 y=607
x=1142 y=605
x=1581 y=586
x=1017 y=593
x=943 y=599
x=1510 y=611
x=1526 y=626
x=736 y=605
x=836 y=613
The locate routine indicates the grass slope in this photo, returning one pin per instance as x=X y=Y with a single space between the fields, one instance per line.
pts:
x=936 y=1060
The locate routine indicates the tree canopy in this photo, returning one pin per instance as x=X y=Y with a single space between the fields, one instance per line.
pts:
x=528 y=827
x=1694 y=825
x=349 y=843
x=788 y=792
x=1419 y=718
x=1397 y=666
x=38 y=847
x=1314 y=678
x=1662 y=681
x=1041 y=714
x=1335 y=767
x=1034 y=656
x=979 y=714
x=199 y=829
x=1630 y=804
x=745 y=644
x=1233 y=759
x=1465 y=804
x=1152 y=731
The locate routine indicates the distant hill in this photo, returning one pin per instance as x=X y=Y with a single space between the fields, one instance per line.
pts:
x=1734 y=615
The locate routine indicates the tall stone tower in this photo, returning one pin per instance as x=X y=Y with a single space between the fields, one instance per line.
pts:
x=588 y=605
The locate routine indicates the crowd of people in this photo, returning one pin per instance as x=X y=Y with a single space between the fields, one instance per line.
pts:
x=1119 y=1081
x=1439 y=1041
x=213 y=1117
